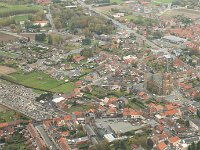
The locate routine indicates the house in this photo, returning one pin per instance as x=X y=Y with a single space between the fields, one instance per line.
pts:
x=174 y=140
x=161 y=146
x=41 y=23
x=130 y=113
x=78 y=58
x=63 y=144
x=34 y=135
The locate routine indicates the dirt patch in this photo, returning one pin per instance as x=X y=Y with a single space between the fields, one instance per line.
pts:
x=3 y=108
x=31 y=36
x=186 y=12
x=6 y=37
x=108 y=8
x=6 y=70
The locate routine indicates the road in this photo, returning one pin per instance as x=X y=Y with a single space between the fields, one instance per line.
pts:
x=120 y=25
x=49 y=17
x=46 y=138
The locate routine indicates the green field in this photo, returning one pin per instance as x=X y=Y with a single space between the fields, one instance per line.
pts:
x=7 y=54
x=162 y=1
x=11 y=10
x=11 y=115
x=78 y=108
x=64 y=88
x=116 y=1
x=19 y=18
x=130 y=17
x=42 y=81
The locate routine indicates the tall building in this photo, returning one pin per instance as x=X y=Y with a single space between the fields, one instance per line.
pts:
x=159 y=83
x=167 y=84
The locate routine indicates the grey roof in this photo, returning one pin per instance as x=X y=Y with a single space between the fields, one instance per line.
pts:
x=196 y=122
x=123 y=127
x=174 y=38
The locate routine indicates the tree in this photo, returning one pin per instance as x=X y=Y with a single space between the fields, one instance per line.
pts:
x=197 y=98
x=50 y=40
x=69 y=58
x=193 y=146
x=40 y=37
x=198 y=145
x=198 y=113
x=86 y=41
x=86 y=53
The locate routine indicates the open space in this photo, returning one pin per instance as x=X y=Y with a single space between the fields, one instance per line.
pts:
x=116 y=1
x=19 y=18
x=186 y=12
x=42 y=81
x=6 y=70
x=163 y=1
x=6 y=37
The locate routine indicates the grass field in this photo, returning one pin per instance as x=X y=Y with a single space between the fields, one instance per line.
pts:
x=162 y=1
x=19 y=18
x=10 y=115
x=116 y=1
x=11 y=10
x=42 y=81
x=129 y=17
x=64 y=88
x=78 y=108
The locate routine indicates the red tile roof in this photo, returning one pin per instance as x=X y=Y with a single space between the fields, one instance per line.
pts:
x=174 y=139
x=161 y=146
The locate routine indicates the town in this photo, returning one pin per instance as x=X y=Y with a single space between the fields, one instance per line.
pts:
x=99 y=75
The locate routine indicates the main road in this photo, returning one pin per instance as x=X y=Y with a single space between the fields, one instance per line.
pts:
x=120 y=25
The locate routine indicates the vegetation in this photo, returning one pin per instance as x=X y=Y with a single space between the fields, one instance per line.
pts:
x=75 y=20
x=40 y=37
x=45 y=96
x=163 y=1
x=40 y=80
x=11 y=10
x=17 y=142
x=54 y=39
x=87 y=53
x=10 y=115
x=185 y=20
x=139 y=20
x=194 y=146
